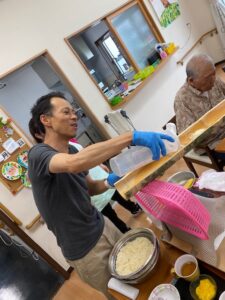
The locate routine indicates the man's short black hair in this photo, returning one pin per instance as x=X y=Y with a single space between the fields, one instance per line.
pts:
x=34 y=131
x=42 y=106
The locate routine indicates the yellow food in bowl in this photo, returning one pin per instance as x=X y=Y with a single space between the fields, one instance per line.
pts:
x=206 y=290
x=189 y=183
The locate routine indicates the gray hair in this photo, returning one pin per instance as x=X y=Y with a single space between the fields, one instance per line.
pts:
x=196 y=62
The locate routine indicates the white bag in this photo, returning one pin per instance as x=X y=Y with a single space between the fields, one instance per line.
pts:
x=212 y=180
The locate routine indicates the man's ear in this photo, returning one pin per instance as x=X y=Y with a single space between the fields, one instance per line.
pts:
x=45 y=120
x=190 y=80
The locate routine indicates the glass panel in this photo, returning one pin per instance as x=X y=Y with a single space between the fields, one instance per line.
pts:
x=136 y=34
x=101 y=64
x=115 y=54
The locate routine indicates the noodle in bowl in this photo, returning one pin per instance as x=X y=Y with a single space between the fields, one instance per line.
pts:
x=134 y=256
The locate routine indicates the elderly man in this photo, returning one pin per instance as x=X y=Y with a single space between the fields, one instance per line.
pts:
x=201 y=92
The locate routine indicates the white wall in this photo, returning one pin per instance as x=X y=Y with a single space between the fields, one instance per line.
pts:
x=28 y=27
x=36 y=26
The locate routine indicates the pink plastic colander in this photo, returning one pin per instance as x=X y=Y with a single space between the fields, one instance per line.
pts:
x=172 y=204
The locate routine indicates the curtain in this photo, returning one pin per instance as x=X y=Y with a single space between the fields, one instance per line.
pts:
x=218 y=12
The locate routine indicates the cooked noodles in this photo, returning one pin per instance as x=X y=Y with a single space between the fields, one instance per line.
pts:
x=133 y=255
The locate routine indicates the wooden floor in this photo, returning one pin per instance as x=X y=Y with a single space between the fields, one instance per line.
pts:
x=74 y=288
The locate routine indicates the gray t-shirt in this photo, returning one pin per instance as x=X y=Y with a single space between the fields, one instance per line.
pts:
x=64 y=204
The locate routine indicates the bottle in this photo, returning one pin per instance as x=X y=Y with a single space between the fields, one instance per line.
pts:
x=161 y=52
x=138 y=156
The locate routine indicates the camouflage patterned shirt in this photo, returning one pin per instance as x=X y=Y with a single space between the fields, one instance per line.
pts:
x=190 y=104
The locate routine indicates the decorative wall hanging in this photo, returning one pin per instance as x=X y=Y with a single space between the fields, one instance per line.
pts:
x=14 y=147
x=22 y=159
x=166 y=10
x=11 y=170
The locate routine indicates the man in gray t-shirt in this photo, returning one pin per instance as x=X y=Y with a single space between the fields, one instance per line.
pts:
x=83 y=223
x=62 y=187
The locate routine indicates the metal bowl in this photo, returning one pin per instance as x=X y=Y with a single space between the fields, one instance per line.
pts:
x=181 y=177
x=144 y=271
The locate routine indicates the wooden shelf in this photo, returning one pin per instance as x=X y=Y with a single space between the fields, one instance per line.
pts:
x=144 y=82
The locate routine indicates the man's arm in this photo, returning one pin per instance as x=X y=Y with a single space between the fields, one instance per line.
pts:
x=95 y=187
x=104 y=167
x=97 y=153
x=90 y=156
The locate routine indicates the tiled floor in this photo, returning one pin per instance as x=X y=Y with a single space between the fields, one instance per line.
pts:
x=22 y=277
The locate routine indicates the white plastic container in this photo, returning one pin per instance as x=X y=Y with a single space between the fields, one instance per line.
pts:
x=222 y=296
x=138 y=156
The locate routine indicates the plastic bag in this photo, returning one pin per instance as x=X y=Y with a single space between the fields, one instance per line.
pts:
x=212 y=180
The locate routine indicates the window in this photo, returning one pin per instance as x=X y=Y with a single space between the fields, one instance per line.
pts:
x=140 y=41
x=115 y=54
x=114 y=57
x=116 y=47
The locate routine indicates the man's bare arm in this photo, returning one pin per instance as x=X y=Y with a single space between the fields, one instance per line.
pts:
x=90 y=156
x=95 y=187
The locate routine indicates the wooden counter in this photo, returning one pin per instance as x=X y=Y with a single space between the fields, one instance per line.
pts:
x=168 y=256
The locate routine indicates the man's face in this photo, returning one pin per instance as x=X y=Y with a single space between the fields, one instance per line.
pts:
x=63 y=119
x=205 y=79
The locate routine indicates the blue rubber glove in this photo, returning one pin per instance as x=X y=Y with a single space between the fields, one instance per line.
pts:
x=152 y=140
x=112 y=179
